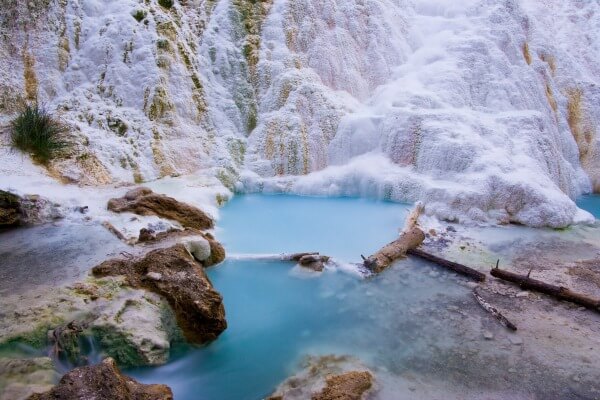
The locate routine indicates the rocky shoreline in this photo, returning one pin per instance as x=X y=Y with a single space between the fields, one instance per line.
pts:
x=137 y=306
x=134 y=307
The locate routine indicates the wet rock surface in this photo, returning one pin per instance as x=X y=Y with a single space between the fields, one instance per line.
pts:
x=312 y=261
x=329 y=377
x=10 y=210
x=26 y=210
x=103 y=381
x=22 y=377
x=175 y=275
x=143 y=201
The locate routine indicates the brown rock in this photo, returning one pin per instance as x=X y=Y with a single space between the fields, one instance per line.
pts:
x=183 y=283
x=329 y=377
x=349 y=386
x=10 y=210
x=217 y=252
x=146 y=235
x=315 y=262
x=103 y=381
x=143 y=201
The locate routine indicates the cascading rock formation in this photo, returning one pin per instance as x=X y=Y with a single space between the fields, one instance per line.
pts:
x=484 y=110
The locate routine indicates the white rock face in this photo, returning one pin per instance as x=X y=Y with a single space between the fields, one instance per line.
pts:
x=483 y=110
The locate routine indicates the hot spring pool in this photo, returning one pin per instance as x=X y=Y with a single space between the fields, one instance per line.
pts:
x=278 y=314
x=590 y=203
x=416 y=326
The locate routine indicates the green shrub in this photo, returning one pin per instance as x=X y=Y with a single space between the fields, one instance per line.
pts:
x=35 y=131
x=166 y=3
x=139 y=15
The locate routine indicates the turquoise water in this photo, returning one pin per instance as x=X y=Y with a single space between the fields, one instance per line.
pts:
x=590 y=203
x=277 y=315
x=339 y=227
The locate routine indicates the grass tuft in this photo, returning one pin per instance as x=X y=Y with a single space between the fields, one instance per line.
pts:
x=139 y=15
x=166 y=3
x=35 y=131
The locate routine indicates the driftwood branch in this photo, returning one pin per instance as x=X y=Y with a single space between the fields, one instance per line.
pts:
x=561 y=293
x=392 y=251
x=492 y=310
x=458 y=268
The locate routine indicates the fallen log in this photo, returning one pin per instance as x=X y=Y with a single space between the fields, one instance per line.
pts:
x=560 y=292
x=111 y=228
x=458 y=268
x=492 y=310
x=389 y=253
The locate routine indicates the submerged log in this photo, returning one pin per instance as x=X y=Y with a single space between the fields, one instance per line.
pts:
x=381 y=260
x=560 y=292
x=492 y=310
x=458 y=268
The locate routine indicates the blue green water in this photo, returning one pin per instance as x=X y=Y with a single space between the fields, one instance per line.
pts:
x=339 y=227
x=590 y=203
x=277 y=315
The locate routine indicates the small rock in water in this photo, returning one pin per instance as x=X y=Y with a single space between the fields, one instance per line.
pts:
x=488 y=335
x=523 y=294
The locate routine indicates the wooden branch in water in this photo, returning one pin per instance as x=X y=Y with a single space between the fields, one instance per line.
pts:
x=561 y=293
x=458 y=268
x=381 y=260
x=492 y=310
x=111 y=228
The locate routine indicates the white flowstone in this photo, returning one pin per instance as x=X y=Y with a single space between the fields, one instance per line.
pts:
x=515 y=340
x=402 y=100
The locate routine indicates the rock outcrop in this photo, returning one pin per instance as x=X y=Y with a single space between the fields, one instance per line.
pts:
x=103 y=381
x=10 y=209
x=328 y=377
x=27 y=210
x=349 y=386
x=134 y=326
x=175 y=275
x=20 y=378
x=202 y=246
x=143 y=201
